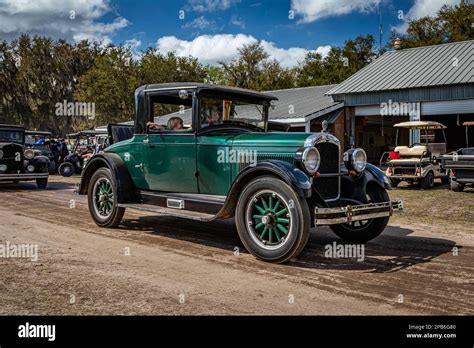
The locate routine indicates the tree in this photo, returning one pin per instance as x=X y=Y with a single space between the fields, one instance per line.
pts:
x=155 y=67
x=110 y=85
x=37 y=73
x=451 y=24
x=253 y=69
x=338 y=65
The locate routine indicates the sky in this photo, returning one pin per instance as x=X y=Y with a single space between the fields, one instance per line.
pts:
x=213 y=30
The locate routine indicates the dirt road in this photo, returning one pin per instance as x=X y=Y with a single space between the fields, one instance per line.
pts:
x=163 y=265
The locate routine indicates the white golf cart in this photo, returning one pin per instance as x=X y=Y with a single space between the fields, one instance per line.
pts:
x=420 y=162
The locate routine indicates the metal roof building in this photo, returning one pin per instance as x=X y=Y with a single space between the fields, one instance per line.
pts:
x=429 y=83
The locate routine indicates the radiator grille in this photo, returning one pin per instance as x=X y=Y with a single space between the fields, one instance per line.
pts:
x=9 y=157
x=328 y=188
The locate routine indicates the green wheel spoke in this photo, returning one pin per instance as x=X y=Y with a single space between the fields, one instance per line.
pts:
x=270 y=202
x=264 y=231
x=257 y=216
x=276 y=206
x=270 y=235
x=265 y=206
x=286 y=221
x=282 y=228
x=277 y=235
x=259 y=225
x=281 y=212
x=262 y=211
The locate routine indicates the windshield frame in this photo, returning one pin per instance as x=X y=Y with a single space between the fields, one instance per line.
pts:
x=205 y=94
x=12 y=129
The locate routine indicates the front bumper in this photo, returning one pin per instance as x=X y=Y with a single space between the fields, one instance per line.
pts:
x=341 y=215
x=23 y=176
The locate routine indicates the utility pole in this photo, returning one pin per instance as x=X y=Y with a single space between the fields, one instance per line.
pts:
x=380 y=33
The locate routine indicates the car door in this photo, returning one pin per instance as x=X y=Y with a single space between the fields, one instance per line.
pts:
x=170 y=155
x=170 y=164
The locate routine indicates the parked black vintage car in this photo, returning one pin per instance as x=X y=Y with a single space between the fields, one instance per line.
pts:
x=44 y=148
x=16 y=162
x=460 y=164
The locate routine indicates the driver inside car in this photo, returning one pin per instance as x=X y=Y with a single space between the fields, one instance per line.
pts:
x=174 y=123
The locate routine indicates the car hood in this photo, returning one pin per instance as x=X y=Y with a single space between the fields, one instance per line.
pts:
x=269 y=139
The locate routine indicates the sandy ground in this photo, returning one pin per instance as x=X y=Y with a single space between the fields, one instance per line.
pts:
x=422 y=264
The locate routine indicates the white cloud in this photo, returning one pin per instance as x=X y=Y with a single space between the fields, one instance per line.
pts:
x=211 y=49
x=422 y=8
x=69 y=19
x=134 y=45
x=237 y=21
x=198 y=23
x=211 y=5
x=311 y=10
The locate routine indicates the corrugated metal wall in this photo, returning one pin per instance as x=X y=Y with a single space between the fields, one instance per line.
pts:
x=409 y=95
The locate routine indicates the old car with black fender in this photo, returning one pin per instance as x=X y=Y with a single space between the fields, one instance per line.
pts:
x=18 y=163
x=227 y=162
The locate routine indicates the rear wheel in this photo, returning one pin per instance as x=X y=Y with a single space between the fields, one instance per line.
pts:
x=273 y=222
x=364 y=230
x=66 y=169
x=455 y=186
x=428 y=181
x=102 y=199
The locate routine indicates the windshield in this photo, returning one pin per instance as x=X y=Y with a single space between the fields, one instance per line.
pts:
x=219 y=111
x=10 y=135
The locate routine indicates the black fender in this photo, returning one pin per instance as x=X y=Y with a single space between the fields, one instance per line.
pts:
x=41 y=163
x=297 y=179
x=354 y=188
x=125 y=189
x=41 y=159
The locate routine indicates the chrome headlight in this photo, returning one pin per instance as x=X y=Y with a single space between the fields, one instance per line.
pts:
x=308 y=159
x=30 y=168
x=355 y=159
x=3 y=168
x=29 y=154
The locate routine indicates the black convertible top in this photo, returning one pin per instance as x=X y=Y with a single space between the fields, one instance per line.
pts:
x=12 y=126
x=203 y=86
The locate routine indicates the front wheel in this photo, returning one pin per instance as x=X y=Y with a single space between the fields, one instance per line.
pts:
x=428 y=181
x=364 y=230
x=273 y=222
x=102 y=199
x=66 y=169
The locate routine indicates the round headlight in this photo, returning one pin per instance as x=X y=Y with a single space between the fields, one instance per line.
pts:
x=359 y=160
x=29 y=154
x=311 y=159
x=3 y=167
x=30 y=168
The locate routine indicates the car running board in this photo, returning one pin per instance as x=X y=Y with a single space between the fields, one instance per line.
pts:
x=186 y=214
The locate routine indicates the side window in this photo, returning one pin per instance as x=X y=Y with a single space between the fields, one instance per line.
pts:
x=170 y=112
x=211 y=112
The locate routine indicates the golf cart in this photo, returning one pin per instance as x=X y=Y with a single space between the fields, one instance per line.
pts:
x=420 y=162
x=84 y=147
x=460 y=164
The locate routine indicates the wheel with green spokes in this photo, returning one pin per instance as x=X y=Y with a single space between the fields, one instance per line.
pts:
x=102 y=199
x=272 y=220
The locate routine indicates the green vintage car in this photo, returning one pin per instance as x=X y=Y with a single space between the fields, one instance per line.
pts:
x=206 y=152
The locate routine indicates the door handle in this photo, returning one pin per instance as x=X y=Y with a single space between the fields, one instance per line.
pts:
x=139 y=166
